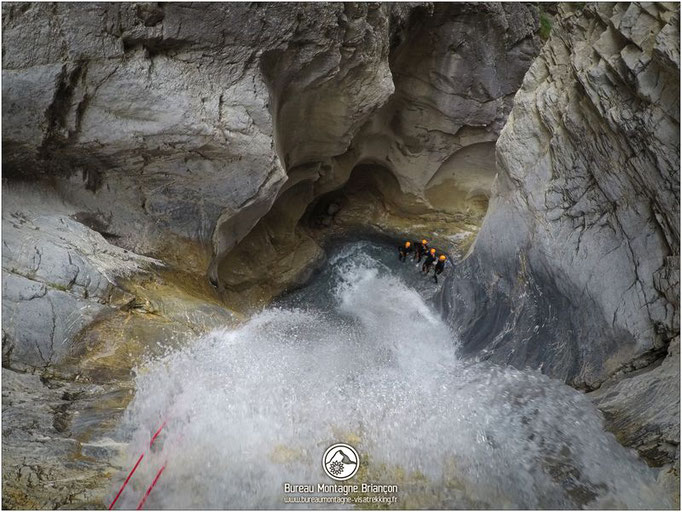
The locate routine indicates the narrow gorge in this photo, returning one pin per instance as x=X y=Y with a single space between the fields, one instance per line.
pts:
x=202 y=204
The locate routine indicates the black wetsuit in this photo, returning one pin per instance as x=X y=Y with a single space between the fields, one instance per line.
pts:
x=403 y=252
x=439 y=269
x=430 y=258
x=419 y=250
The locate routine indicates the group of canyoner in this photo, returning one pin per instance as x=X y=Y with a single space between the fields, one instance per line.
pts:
x=422 y=250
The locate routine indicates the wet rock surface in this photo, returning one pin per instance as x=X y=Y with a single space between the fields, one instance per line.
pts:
x=155 y=106
x=456 y=71
x=640 y=407
x=79 y=314
x=57 y=449
x=574 y=265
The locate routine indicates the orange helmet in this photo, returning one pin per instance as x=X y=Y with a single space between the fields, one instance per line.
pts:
x=424 y=242
x=442 y=257
x=407 y=244
x=433 y=251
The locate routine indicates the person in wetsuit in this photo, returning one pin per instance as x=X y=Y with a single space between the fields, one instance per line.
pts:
x=420 y=249
x=403 y=251
x=430 y=258
x=440 y=266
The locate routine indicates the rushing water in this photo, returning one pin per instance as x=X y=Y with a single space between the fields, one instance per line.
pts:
x=360 y=356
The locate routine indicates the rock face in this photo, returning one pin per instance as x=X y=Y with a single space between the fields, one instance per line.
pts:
x=149 y=147
x=167 y=111
x=575 y=271
x=642 y=409
x=58 y=276
x=52 y=456
x=456 y=71
x=448 y=74
x=73 y=328
x=182 y=122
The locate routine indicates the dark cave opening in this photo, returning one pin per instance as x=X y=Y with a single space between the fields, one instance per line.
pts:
x=370 y=186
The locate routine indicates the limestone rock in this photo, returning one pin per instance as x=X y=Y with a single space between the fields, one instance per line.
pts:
x=445 y=78
x=162 y=119
x=575 y=266
x=73 y=330
x=45 y=465
x=456 y=71
x=58 y=276
x=641 y=407
x=182 y=121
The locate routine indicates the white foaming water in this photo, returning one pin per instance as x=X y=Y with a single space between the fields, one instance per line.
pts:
x=364 y=359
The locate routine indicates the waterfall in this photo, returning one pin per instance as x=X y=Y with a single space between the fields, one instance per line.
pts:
x=360 y=356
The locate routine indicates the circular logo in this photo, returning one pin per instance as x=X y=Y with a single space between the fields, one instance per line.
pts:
x=340 y=461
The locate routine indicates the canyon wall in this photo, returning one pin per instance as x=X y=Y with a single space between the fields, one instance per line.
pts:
x=453 y=70
x=152 y=149
x=158 y=160
x=171 y=130
x=176 y=126
x=576 y=268
x=160 y=117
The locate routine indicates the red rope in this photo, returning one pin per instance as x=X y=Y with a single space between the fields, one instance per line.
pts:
x=156 y=434
x=139 y=505
x=126 y=482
